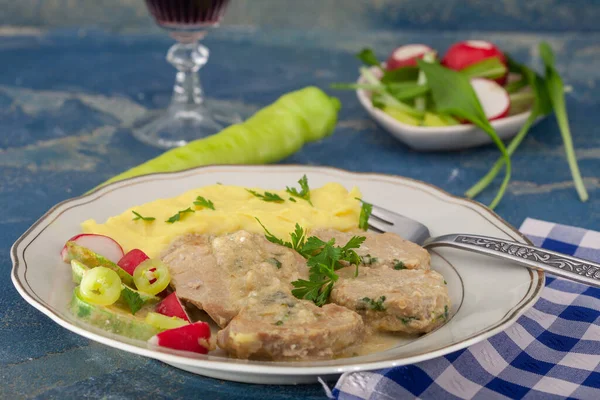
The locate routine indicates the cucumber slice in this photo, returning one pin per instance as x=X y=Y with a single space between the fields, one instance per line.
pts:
x=432 y=119
x=78 y=269
x=91 y=260
x=402 y=116
x=163 y=322
x=112 y=318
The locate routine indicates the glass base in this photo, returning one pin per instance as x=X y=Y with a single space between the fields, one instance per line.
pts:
x=181 y=124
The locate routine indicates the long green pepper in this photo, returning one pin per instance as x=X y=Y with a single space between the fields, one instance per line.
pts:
x=273 y=133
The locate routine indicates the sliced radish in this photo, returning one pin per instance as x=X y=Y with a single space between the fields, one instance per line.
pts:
x=99 y=244
x=132 y=259
x=193 y=337
x=172 y=307
x=493 y=98
x=463 y=54
x=407 y=55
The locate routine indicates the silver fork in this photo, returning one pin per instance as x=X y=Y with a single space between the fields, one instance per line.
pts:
x=562 y=265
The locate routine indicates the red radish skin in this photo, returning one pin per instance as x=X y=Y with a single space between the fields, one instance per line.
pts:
x=407 y=56
x=132 y=259
x=463 y=54
x=493 y=98
x=172 y=307
x=99 y=244
x=193 y=337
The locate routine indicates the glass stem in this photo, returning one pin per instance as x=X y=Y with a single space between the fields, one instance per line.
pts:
x=187 y=58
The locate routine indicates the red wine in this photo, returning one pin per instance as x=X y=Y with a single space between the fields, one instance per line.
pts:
x=187 y=12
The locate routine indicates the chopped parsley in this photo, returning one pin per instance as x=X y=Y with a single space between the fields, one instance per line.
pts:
x=444 y=316
x=202 y=202
x=133 y=299
x=140 y=216
x=275 y=262
x=304 y=192
x=445 y=283
x=398 y=265
x=365 y=213
x=267 y=196
x=179 y=215
x=375 y=305
x=323 y=259
x=406 y=320
x=279 y=323
x=368 y=259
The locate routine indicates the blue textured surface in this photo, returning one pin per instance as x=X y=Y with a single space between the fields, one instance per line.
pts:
x=66 y=98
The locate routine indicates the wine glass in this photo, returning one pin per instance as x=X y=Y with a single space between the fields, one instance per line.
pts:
x=189 y=116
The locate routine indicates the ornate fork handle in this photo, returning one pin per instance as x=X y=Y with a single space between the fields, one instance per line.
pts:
x=562 y=265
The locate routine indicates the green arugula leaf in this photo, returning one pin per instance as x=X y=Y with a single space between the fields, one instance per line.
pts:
x=179 y=215
x=556 y=92
x=267 y=196
x=365 y=213
x=133 y=299
x=489 y=68
x=304 y=192
x=368 y=57
x=202 y=202
x=139 y=216
x=453 y=94
x=541 y=106
x=383 y=99
x=400 y=75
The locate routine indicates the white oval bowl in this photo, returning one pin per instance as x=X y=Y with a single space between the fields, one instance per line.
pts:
x=434 y=138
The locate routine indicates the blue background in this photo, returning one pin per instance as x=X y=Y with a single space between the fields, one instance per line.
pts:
x=75 y=74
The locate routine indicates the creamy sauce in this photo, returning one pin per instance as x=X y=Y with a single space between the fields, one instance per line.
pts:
x=377 y=342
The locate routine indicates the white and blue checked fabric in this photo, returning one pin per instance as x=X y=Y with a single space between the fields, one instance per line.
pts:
x=551 y=352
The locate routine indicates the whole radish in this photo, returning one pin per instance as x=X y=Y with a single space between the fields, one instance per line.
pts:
x=407 y=56
x=462 y=54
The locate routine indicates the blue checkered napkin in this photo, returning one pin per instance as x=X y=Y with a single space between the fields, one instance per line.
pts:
x=551 y=352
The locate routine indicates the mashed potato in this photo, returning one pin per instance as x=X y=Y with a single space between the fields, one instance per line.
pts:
x=235 y=208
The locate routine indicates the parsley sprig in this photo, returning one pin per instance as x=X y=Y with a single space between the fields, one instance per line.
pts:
x=179 y=215
x=304 y=192
x=140 y=216
x=202 y=202
x=323 y=260
x=133 y=299
x=267 y=196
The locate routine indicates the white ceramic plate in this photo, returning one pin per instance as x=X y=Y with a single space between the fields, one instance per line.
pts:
x=487 y=294
x=433 y=138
